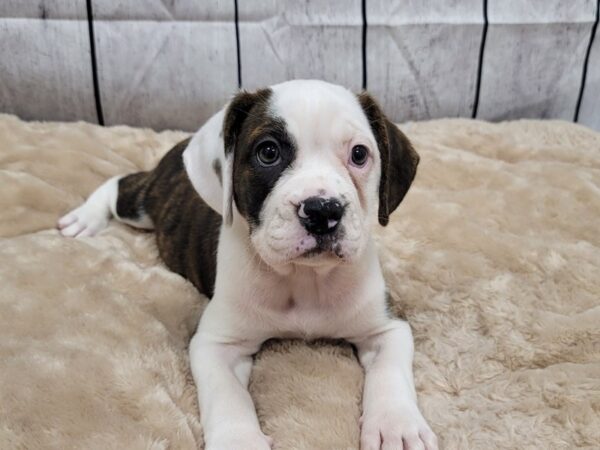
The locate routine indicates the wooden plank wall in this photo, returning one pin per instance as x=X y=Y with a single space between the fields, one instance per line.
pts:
x=286 y=39
x=173 y=64
x=423 y=57
x=45 y=70
x=589 y=111
x=534 y=58
x=161 y=66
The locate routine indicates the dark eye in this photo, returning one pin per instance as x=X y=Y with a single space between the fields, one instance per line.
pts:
x=267 y=153
x=360 y=154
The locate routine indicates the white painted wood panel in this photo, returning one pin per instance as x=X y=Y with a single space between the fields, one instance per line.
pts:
x=44 y=9
x=589 y=112
x=422 y=57
x=166 y=73
x=182 y=10
x=540 y=11
x=534 y=58
x=171 y=64
x=45 y=64
x=283 y=40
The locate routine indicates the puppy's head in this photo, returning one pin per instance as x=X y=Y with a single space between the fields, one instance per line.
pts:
x=310 y=166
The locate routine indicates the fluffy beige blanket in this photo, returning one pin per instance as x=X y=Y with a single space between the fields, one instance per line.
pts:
x=494 y=257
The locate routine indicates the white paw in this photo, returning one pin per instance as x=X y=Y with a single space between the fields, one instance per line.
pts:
x=239 y=439
x=87 y=220
x=396 y=428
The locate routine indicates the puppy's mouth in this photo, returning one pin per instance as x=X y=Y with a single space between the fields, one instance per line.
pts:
x=284 y=241
x=325 y=247
x=328 y=245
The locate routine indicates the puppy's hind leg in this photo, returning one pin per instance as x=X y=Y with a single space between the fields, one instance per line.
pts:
x=118 y=193
x=94 y=214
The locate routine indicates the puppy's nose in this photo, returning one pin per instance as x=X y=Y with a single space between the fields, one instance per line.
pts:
x=320 y=215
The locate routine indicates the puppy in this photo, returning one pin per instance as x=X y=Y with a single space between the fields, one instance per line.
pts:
x=267 y=210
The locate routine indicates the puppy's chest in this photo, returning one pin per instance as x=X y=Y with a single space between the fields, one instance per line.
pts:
x=309 y=310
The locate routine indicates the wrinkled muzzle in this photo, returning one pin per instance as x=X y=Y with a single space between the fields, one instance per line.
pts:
x=311 y=219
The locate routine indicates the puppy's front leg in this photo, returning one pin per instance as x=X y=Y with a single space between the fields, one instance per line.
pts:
x=221 y=371
x=391 y=418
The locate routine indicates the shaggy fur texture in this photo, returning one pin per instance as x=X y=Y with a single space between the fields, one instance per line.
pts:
x=494 y=257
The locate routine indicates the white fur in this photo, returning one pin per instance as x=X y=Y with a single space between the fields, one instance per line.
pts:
x=262 y=291
x=204 y=149
x=93 y=216
x=275 y=295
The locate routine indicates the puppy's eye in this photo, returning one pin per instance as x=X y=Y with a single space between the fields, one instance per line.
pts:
x=359 y=156
x=268 y=153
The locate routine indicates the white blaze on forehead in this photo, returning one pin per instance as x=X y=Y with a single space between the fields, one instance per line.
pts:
x=324 y=121
x=319 y=114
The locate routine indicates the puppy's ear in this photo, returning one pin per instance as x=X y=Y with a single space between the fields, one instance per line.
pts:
x=399 y=159
x=204 y=161
x=237 y=112
x=208 y=158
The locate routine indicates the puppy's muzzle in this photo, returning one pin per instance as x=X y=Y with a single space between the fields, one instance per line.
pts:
x=320 y=216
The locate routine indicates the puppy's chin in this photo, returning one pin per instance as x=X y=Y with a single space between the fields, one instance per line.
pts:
x=306 y=251
x=320 y=260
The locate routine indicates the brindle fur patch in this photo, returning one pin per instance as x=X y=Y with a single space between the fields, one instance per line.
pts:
x=187 y=229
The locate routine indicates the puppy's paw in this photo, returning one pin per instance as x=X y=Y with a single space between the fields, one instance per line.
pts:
x=239 y=439
x=398 y=427
x=87 y=220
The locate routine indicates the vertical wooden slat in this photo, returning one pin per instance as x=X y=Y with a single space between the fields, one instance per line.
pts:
x=363 y=11
x=480 y=59
x=283 y=40
x=45 y=60
x=237 y=44
x=93 y=60
x=533 y=59
x=589 y=108
x=165 y=65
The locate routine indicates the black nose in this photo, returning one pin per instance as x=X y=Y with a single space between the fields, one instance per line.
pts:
x=320 y=215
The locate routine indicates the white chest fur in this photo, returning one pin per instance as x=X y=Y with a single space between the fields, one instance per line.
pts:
x=251 y=301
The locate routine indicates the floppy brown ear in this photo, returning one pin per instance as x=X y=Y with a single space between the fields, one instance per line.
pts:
x=399 y=159
x=237 y=112
x=235 y=115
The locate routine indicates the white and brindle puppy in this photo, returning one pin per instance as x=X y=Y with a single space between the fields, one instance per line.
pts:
x=268 y=211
